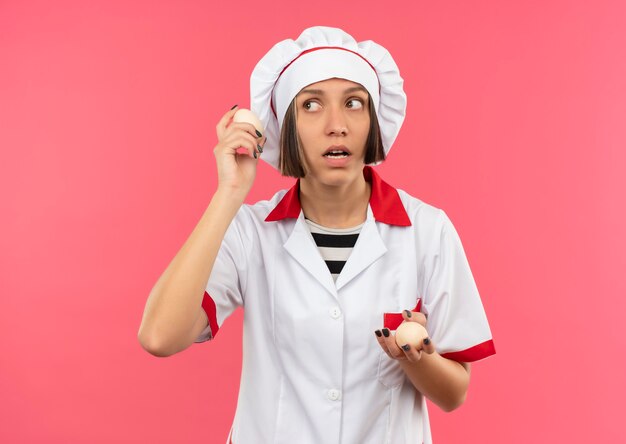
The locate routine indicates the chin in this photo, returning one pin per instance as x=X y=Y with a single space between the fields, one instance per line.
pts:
x=337 y=176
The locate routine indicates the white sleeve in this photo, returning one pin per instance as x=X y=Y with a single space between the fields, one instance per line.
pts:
x=457 y=322
x=226 y=286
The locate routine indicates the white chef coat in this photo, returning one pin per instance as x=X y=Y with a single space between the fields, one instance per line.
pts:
x=313 y=371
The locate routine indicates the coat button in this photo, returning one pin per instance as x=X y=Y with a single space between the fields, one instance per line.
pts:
x=333 y=394
x=335 y=312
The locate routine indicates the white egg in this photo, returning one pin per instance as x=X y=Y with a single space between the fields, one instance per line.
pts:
x=410 y=333
x=247 y=116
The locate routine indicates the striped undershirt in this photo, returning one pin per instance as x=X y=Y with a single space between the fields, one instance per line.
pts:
x=334 y=244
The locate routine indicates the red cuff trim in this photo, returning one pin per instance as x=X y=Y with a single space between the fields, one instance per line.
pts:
x=475 y=353
x=393 y=320
x=208 y=304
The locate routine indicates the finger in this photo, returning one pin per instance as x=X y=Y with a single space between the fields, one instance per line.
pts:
x=247 y=127
x=428 y=346
x=394 y=350
x=223 y=123
x=229 y=141
x=414 y=316
x=381 y=342
x=259 y=146
x=233 y=147
x=411 y=353
x=235 y=141
x=262 y=145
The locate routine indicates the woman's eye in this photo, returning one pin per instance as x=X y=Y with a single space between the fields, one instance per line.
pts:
x=311 y=106
x=355 y=103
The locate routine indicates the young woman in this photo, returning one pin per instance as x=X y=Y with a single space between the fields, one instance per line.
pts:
x=327 y=270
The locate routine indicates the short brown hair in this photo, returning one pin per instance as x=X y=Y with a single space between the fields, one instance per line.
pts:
x=290 y=158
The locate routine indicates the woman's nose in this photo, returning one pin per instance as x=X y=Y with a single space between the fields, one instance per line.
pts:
x=336 y=124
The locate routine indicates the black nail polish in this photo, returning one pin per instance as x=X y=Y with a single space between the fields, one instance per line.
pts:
x=260 y=148
x=386 y=332
x=254 y=152
x=408 y=313
x=426 y=341
x=378 y=333
x=233 y=107
x=406 y=347
x=258 y=133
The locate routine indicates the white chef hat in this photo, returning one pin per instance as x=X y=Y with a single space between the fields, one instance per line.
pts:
x=322 y=53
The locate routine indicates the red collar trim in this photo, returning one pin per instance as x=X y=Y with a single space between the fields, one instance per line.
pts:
x=384 y=201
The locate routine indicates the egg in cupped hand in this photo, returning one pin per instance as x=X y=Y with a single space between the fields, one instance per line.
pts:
x=412 y=333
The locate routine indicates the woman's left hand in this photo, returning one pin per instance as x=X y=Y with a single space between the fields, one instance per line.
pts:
x=407 y=353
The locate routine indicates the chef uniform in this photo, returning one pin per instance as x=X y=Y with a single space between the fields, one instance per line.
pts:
x=313 y=371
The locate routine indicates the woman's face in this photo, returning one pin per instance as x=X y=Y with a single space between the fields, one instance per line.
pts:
x=332 y=120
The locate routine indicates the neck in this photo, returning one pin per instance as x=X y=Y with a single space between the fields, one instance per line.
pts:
x=335 y=206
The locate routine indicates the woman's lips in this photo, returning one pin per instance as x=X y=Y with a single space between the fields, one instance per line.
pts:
x=337 y=161
x=336 y=149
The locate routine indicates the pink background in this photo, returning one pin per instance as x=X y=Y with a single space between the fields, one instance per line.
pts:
x=515 y=126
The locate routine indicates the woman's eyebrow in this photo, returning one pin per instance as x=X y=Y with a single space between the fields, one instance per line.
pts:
x=355 y=89
x=317 y=92
x=320 y=92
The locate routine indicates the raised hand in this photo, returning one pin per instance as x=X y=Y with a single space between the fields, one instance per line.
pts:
x=236 y=171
